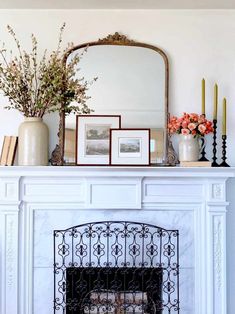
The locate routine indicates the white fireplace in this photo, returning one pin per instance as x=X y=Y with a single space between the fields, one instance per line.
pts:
x=35 y=201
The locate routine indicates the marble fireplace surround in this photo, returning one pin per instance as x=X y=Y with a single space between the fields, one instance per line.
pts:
x=36 y=200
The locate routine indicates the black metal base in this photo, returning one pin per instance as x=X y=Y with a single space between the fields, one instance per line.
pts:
x=224 y=157
x=224 y=164
x=203 y=152
x=203 y=158
x=214 y=158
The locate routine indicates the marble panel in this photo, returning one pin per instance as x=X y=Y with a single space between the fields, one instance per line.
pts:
x=45 y=221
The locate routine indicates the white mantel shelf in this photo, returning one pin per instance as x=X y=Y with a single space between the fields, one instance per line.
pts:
x=27 y=194
x=87 y=171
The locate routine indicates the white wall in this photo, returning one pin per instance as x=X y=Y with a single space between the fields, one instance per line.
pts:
x=198 y=43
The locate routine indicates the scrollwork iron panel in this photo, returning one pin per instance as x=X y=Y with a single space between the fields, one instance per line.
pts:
x=99 y=258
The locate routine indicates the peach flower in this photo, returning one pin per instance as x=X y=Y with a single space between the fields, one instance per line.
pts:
x=185 y=131
x=194 y=117
x=192 y=126
x=184 y=124
x=202 y=128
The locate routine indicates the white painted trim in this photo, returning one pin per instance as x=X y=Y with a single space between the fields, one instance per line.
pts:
x=9 y=260
x=70 y=188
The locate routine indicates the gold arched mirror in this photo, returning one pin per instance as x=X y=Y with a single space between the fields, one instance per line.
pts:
x=132 y=82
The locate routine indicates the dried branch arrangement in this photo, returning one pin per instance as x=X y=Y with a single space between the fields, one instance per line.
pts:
x=37 y=87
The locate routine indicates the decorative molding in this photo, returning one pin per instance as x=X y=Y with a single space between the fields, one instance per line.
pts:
x=9 y=261
x=116 y=38
x=217 y=191
x=9 y=187
x=10 y=251
x=218 y=252
x=124 y=193
x=10 y=190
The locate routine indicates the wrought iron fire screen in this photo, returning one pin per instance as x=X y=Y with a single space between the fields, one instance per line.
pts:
x=116 y=267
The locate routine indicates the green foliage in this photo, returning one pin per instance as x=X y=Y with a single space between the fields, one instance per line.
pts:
x=38 y=87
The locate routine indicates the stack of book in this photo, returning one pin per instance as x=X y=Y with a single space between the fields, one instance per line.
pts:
x=8 y=151
x=195 y=164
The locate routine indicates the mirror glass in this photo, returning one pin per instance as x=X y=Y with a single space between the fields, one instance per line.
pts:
x=131 y=83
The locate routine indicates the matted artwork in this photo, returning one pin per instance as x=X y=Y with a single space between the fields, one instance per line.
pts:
x=92 y=138
x=130 y=147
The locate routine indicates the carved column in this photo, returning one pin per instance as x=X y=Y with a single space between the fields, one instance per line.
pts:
x=9 y=221
x=216 y=248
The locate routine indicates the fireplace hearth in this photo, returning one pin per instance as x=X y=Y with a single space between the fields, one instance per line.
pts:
x=116 y=267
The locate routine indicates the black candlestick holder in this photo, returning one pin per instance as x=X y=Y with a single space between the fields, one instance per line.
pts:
x=203 y=149
x=203 y=152
x=214 y=163
x=224 y=146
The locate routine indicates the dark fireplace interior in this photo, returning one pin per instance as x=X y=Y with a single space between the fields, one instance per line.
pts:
x=116 y=267
x=113 y=290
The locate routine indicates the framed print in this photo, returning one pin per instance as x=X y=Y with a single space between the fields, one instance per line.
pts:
x=92 y=138
x=130 y=147
x=156 y=146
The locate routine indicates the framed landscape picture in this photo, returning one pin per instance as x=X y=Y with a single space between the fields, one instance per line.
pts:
x=130 y=147
x=92 y=138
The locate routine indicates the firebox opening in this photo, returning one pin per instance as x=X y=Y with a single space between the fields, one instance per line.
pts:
x=113 y=290
x=116 y=267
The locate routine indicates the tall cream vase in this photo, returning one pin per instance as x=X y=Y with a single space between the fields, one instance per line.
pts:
x=33 y=143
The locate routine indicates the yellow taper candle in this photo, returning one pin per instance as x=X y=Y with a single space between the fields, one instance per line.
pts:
x=224 y=117
x=203 y=97
x=215 y=102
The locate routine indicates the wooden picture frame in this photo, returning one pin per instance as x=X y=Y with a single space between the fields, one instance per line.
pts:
x=8 y=150
x=92 y=138
x=129 y=147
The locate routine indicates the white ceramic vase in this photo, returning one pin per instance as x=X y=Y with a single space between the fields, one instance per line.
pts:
x=188 y=148
x=33 y=143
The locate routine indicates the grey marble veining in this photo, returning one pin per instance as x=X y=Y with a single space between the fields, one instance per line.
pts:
x=47 y=221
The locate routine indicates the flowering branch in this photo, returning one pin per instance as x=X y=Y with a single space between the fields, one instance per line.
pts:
x=38 y=87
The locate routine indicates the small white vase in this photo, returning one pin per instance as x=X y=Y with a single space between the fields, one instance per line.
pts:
x=33 y=143
x=188 y=148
